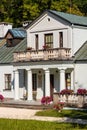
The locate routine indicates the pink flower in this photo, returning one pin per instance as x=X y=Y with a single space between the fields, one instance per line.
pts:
x=66 y=91
x=81 y=91
x=1 y=97
x=46 y=100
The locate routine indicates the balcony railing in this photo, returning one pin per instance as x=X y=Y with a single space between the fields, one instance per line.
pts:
x=49 y=54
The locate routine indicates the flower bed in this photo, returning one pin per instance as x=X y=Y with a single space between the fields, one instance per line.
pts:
x=78 y=99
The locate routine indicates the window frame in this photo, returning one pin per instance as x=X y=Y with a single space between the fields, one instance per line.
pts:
x=49 y=37
x=7 y=79
x=61 y=39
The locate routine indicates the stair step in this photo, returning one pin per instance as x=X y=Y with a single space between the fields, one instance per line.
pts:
x=26 y=106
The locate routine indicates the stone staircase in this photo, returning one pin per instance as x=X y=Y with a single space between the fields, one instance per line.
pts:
x=25 y=104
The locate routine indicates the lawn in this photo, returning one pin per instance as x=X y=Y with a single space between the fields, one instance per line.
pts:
x=82 y=114
x=12 y=124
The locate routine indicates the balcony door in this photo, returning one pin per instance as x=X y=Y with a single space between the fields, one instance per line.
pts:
x=61 y=39
x=36 y=42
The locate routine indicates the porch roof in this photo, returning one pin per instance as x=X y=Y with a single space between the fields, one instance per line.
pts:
x=6 y=53
x=81 y=54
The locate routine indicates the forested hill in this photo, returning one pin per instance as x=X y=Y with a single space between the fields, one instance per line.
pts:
x=17 y=11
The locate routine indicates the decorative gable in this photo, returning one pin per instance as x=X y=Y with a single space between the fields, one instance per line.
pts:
x=48 y=22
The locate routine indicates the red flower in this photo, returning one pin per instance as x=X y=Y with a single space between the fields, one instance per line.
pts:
x=1 y=97
x=66 y=91
x=81 y=91
x=46 y=100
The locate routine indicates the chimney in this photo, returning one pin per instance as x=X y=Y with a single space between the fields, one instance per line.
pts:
x=4 y=26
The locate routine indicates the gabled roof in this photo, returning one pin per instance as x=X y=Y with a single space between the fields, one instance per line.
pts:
x=81 y=54
x=73 y=19
x=6 y=53
x=70 y=18
x=17 y=33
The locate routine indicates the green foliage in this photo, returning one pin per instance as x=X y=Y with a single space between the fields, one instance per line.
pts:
x=64 y=113
x=10 y=124
x=17 y=11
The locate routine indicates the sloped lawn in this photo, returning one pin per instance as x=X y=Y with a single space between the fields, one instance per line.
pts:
x=11 y=124
x=82 y=114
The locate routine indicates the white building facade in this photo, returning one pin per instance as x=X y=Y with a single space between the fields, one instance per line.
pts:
x=48 y=66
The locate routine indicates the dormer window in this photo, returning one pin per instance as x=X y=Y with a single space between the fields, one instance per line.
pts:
x=9 y=42
x=49 y=40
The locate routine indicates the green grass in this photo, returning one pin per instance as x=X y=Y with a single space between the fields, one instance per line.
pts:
x=12 y=124
x=64 y=113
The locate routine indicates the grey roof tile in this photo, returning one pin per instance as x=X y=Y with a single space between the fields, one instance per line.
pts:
x=6 y=53
x=73 y=19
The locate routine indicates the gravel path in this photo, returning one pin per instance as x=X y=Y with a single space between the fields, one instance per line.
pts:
x=17 y=113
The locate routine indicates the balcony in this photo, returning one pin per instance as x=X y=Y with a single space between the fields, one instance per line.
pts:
x=49 y=54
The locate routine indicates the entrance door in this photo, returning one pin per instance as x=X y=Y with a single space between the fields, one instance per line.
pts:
x=34 y=83
x=51 y=84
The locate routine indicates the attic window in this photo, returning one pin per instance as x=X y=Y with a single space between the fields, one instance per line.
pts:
x=9 y=42
x=48 y=19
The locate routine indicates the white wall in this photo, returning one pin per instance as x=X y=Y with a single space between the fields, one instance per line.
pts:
x=6 y=69
x=79 y=38
x=43 y=26
x=80 y=76
x=4 y=28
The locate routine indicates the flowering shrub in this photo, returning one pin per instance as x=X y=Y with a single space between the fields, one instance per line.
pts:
x=81 y=91
x=66 y=91
x=1 y=97
x=46 y=100
x=59 y=106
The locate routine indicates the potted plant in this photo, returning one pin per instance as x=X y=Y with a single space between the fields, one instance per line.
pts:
x=81 y=91
x=45 y=46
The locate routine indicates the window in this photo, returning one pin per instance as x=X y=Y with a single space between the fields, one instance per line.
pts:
x=7 y=81
x=34 y=81
x=36 y=41
x=60 y=39
x=49 y=40
x=68 y=80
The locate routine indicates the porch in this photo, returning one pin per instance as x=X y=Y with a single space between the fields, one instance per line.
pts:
x=38 y=82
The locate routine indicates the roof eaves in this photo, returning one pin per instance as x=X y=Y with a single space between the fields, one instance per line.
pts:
x=60 y=17
x=44 y=12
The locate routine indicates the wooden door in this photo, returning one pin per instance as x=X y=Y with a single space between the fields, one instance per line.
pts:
x=51 y=84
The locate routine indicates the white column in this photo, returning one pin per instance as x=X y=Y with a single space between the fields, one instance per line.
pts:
x=62 y=79
x=47 y=82
x=16 y=84
x=29 y=85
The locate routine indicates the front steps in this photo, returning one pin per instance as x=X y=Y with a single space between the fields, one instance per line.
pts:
x=25 y=104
